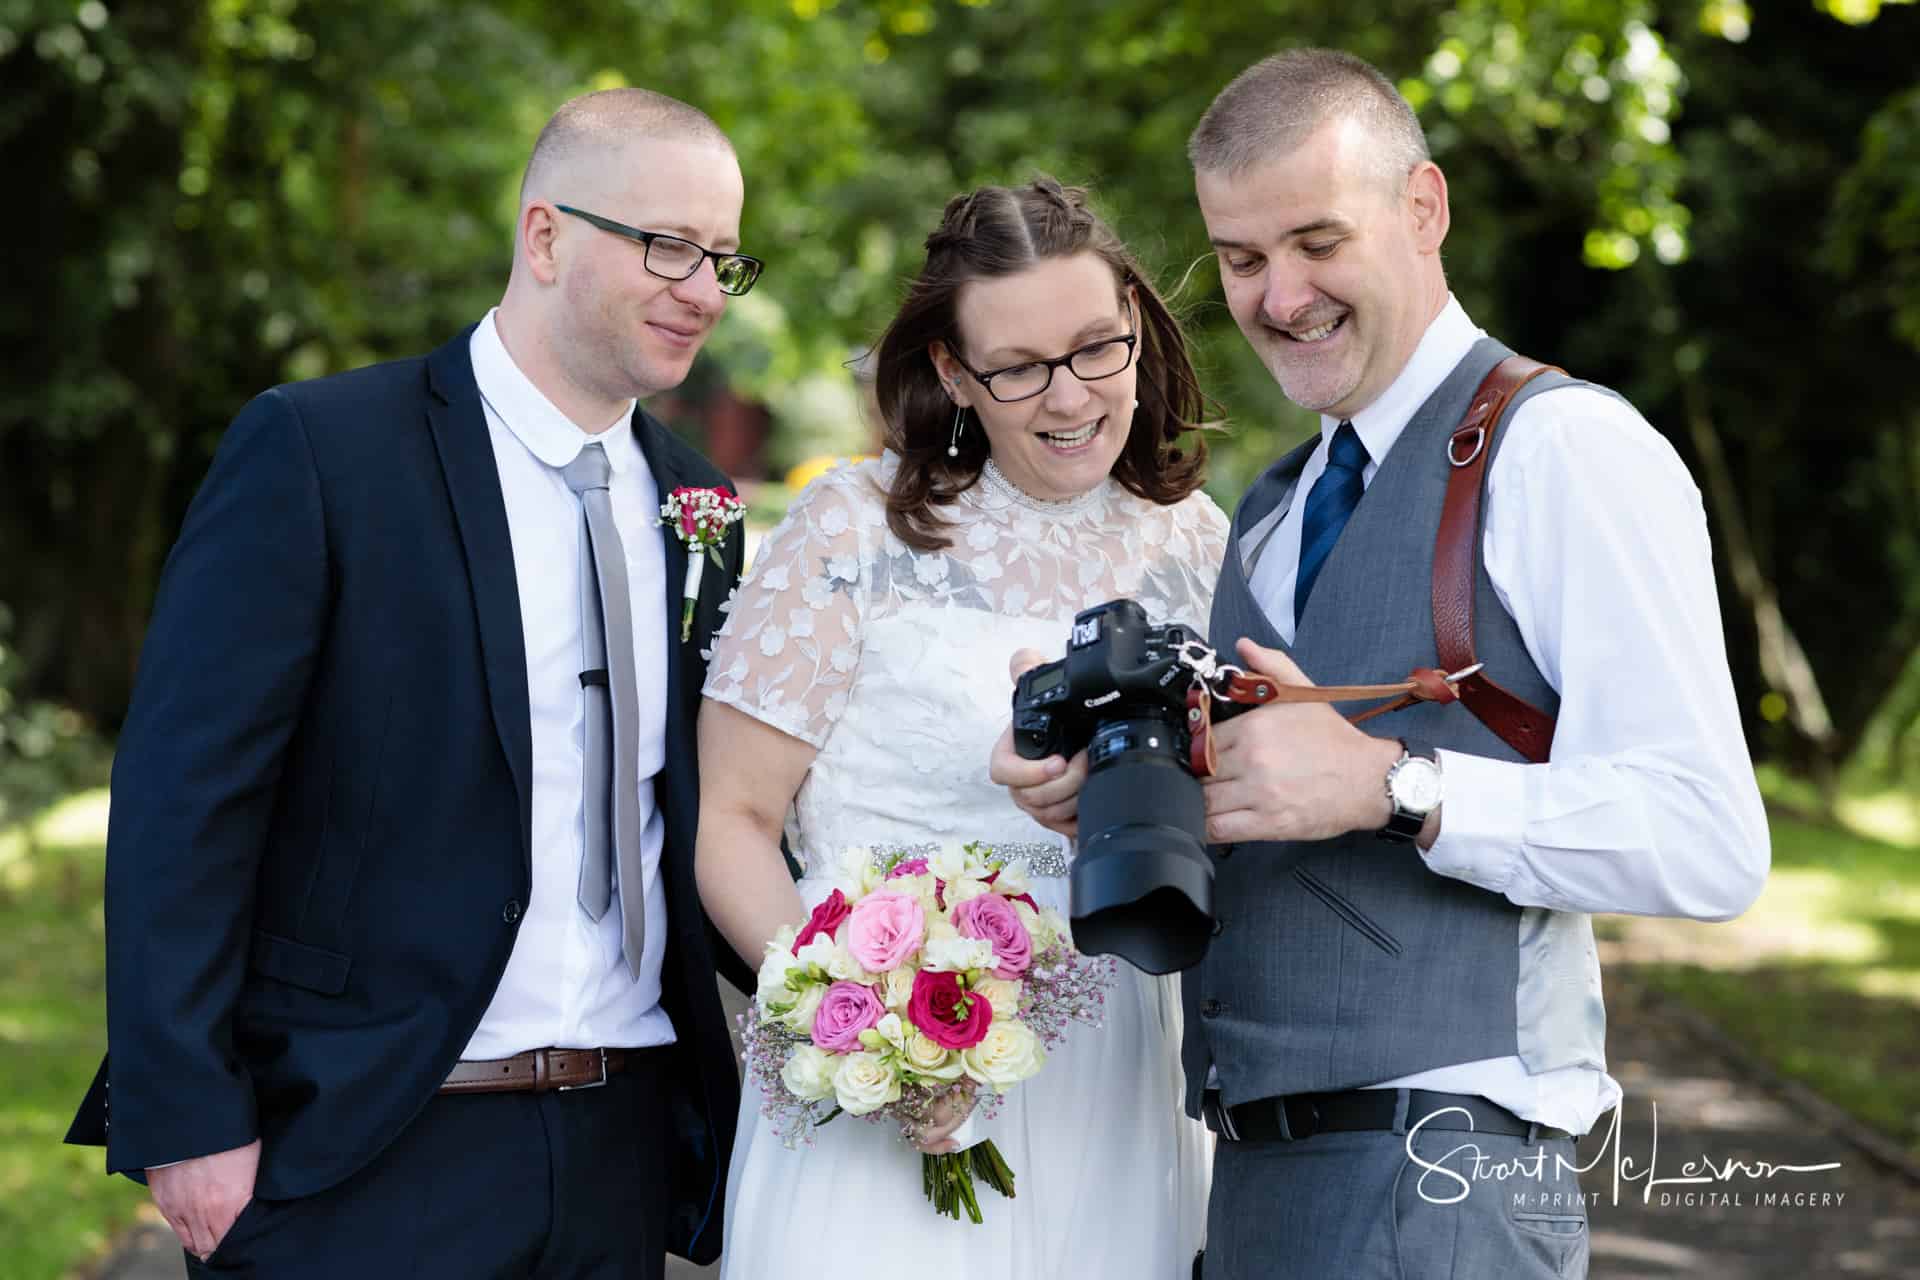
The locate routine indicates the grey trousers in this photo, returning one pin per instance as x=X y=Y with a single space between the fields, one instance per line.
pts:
x=1446 y=1205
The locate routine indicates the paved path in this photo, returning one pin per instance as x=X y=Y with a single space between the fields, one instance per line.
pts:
x=1853 y=1222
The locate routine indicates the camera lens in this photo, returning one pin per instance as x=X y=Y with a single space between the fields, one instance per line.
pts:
x=1142 y=883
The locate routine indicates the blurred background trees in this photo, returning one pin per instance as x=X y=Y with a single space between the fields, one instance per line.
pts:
x=1712 y=206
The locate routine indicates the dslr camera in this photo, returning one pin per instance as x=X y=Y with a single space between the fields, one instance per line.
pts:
x=1142 y=884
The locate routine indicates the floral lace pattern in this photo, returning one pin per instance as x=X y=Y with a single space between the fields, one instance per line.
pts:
x=892 y=662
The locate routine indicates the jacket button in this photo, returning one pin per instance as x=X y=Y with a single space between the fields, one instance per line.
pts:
x=1219 y=927
x=1211 y=1008
x=511 y=912
x=1226 y=851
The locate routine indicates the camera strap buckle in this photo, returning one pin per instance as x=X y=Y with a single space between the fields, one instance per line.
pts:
x=1200 y=758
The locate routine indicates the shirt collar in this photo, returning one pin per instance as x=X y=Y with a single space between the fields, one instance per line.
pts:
x=1445 y=343
x=535 y=421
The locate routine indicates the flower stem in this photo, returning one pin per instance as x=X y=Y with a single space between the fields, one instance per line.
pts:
x=949 y=1179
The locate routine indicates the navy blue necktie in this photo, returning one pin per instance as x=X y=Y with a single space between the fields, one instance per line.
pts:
x=1333 y=497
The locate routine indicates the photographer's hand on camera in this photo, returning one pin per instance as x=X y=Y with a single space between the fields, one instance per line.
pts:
x=1297 y=771
x=1048 y=790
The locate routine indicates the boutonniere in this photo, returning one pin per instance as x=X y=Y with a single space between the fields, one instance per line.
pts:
x=700 y=517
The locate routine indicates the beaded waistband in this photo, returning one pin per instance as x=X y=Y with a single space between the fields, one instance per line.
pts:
x=1038 y=857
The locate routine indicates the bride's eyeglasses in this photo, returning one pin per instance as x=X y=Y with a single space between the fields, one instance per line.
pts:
x=672 y=258
x=1090 y=363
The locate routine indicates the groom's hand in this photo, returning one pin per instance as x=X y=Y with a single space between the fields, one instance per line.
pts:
x=1048 y=791
x=1294 y=771
x=200 y=1198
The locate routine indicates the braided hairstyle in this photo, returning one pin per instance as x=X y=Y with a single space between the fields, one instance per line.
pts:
x=999 y=231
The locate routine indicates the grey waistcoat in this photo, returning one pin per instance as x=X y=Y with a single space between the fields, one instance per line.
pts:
x=1346 y=962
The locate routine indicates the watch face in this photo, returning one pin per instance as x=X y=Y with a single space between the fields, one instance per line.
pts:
x=1416 y=785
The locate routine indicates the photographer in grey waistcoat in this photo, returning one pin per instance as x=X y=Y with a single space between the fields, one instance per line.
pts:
x=1403 y=949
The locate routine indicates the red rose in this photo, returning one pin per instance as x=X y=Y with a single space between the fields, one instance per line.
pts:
x=825 y=919
x=946 y=1013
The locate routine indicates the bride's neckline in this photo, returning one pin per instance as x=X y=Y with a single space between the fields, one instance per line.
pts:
x=994 y=482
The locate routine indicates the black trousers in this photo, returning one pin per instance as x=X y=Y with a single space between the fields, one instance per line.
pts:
x=500 y=1186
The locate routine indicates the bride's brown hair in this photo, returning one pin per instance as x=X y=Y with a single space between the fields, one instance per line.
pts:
x=993 y=232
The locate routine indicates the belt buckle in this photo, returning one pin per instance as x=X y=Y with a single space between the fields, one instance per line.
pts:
x=1309 y=1119
x=591 y=1084
x=1216 y=1115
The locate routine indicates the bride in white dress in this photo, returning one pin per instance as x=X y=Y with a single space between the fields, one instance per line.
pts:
x=1039 y=402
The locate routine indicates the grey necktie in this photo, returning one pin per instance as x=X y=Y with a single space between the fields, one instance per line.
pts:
x=613 y=716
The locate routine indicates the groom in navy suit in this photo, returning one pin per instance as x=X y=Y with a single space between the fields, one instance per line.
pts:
x=393 y=987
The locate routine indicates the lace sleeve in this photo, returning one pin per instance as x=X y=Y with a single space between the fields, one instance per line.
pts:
x=1208 y=526
x=790 y=647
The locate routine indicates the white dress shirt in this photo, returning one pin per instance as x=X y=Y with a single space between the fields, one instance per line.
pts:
x=566 y=983
x=1596 y=542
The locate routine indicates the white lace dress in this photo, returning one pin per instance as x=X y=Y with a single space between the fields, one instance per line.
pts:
x=893 y=663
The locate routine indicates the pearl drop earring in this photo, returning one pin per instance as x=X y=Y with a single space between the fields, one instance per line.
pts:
x=959 y=420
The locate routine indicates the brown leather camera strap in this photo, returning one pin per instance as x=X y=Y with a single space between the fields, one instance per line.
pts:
x=1456 y=556
x=1252 y=689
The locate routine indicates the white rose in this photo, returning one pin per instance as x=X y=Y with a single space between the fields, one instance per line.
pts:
x=940 y=929
x=956 y=955
x=924 y=1057
x=1003 y=994
x=808 y=1074
x=897 y=989
x=1009 y=1054
x=863 y=1083
x=1036 y=926
x=963 y=889
x=797 y=1017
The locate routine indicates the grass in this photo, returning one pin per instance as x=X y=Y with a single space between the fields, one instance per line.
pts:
x=1821 y=978
x=57 y=1208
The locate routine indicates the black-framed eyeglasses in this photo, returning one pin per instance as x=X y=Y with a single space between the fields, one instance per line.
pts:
x=672 y=258
x=1024 y=381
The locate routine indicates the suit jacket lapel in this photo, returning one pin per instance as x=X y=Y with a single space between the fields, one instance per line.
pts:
x=654 y=446
x=473 y=485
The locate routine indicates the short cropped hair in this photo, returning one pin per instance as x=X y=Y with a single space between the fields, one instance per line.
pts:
x=1279 y=102
x=608 y=118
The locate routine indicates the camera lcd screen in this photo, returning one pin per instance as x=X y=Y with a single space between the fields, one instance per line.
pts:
x=1048 y=682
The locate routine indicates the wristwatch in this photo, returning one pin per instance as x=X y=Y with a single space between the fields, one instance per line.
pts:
x=1413 y=789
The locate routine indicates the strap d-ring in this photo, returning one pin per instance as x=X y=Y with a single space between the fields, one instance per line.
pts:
x=1479 y=435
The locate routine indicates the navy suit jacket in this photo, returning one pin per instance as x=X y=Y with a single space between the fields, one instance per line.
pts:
x=318 y=853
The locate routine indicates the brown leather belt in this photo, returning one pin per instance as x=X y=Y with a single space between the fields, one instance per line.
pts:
x=541 y=1071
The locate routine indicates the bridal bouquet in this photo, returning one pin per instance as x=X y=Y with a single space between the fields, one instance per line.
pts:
x=924 y=978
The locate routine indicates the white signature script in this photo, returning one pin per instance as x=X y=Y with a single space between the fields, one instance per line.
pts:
x=1487 y=1168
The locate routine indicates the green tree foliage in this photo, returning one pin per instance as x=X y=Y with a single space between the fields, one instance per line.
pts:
x=1711 y=205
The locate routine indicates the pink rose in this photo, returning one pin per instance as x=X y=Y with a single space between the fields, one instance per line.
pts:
x=885 y=928
x=845 y=1011
x=991 y=917
x=825 y=919
x=947 y=1013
